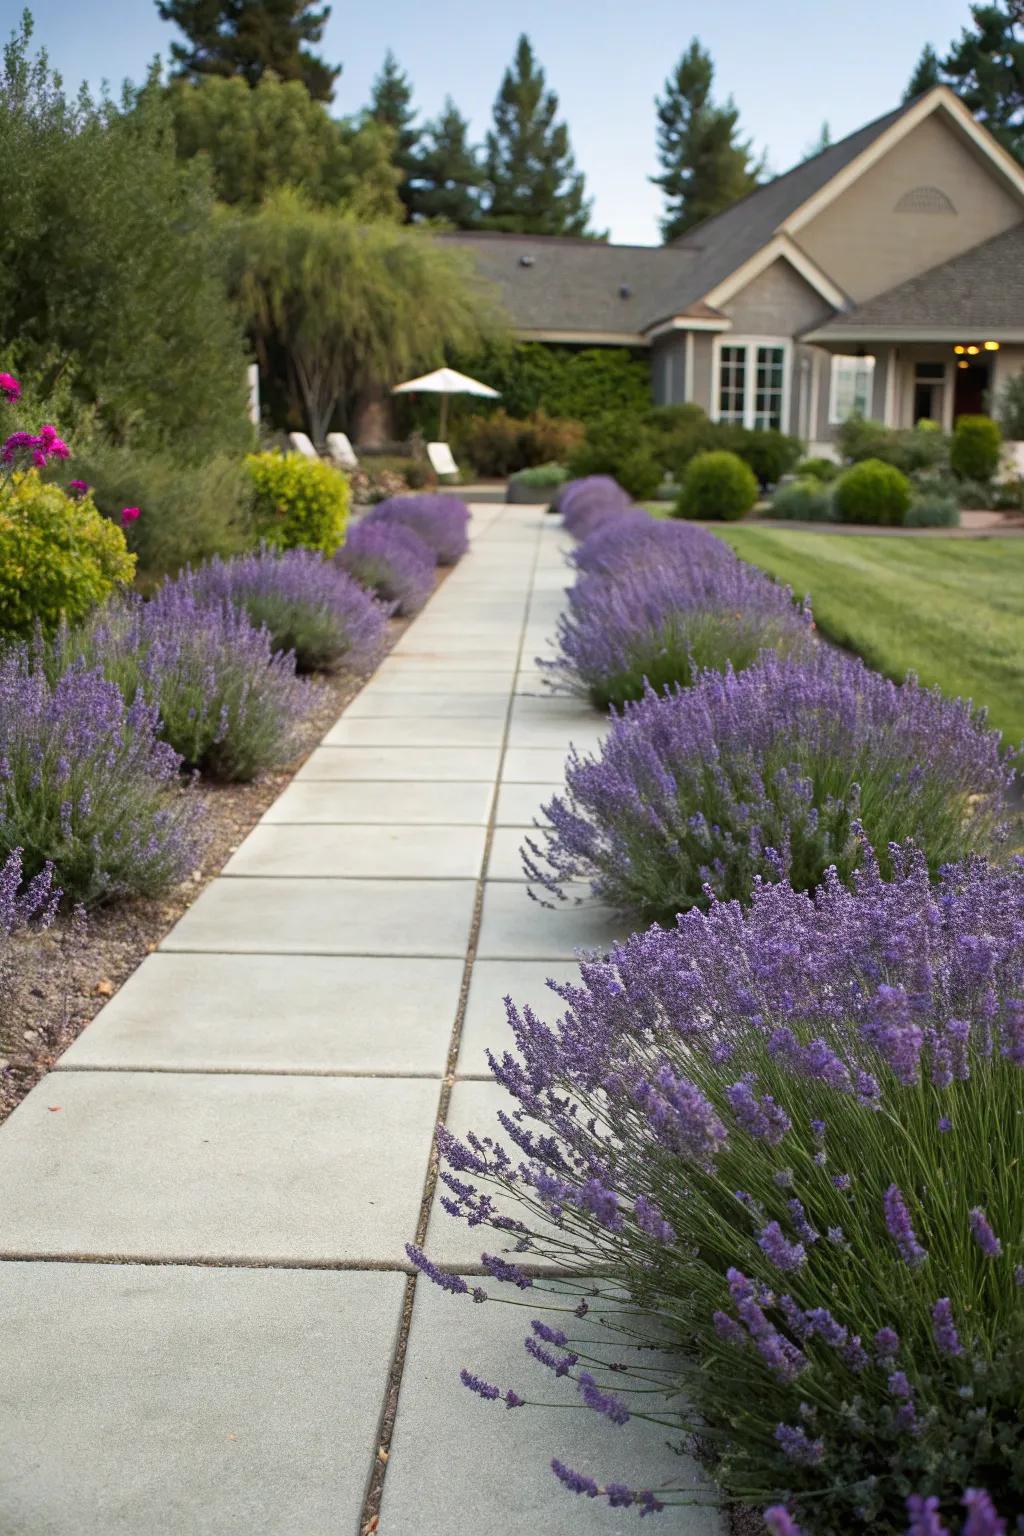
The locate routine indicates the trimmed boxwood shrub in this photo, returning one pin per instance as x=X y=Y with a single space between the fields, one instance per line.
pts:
x=803 y=501
x=975 y=451
x=717 y=485
x=770 y=453
x=872 y=492
x=818 y=469
x=300 y=502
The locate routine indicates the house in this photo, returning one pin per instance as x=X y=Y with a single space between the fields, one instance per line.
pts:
x=883 y=276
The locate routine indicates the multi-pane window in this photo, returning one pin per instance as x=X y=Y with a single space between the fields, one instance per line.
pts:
x=852 y=384
x=732 y=384
x=752 y=384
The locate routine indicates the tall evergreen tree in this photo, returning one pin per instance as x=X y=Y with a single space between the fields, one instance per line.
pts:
x=985 y=66
x=926 y=74
x=705 y=166
x=249 y=37
x=533 y=186
x=449 y=174
x=391 y=106
x=822 y=142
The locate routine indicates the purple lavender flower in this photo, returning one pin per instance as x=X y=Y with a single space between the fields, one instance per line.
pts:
x=439 y=520
x=782 y=1253
x=780 y=1522
x=586 y=503
x=482 y=1388
x=501 y=1269
x=650 y=1220
x=982 y=1519
x=576 y=1482
x=453 y=1283
x=944 y=1329
x=605 y=1403
x=924 y=1516
x=550 y=1335
x=900 y=1227
x=798 y=1447
x=633 y=539
x=887 y=1345
x=390 y=560
x=762 y=1118
x=983 y=1234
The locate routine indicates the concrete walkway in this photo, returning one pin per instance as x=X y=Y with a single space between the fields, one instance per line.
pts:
x=210 y=1326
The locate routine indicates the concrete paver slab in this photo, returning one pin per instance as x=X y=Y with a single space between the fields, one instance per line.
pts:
x=415 y=732
x=276 y=1013
x=520 y=805
x=429 y=764
x=514 y=927
x=177 y=1166
x=533 y=765
x=485 y=1026
x=446 y=803
x=389 y=852
x=328 y=917
x=190 y=1401
x=444 y=705
x=407 y=678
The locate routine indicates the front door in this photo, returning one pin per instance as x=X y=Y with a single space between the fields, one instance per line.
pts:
x=970 y=388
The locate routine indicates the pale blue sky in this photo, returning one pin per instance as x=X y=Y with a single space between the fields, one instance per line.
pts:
x=790 y=64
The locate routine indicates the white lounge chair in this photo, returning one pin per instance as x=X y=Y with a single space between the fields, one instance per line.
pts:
x=441 y=461
x=301 y=444
x=342 y=454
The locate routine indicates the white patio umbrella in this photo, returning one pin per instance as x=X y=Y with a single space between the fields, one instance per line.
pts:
x=445 y=382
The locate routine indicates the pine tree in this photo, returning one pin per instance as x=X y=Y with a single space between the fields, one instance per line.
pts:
x=450 y=176
x=391 y=106
x=705 y=167
x=926 y=74
x=986 y=68
x=822 y=142
x=533 y=186
x=249 y=37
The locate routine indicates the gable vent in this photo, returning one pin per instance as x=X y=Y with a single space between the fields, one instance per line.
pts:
x=924 y=200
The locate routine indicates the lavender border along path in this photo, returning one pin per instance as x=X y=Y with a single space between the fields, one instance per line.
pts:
x=239 y=1145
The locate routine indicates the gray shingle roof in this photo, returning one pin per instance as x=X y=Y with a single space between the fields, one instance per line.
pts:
x=980 y=292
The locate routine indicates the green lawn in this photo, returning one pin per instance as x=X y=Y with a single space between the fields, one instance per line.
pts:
x=951 y=610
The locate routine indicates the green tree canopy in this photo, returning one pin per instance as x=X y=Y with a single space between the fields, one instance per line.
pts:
x=391 y=107
x=705 y=166
x=250 y=37
x=275 y=135
x=985 y=66
x=111 y=271
x=926 y=74
x=351 y=308
x=533 y=185
x=450 y=174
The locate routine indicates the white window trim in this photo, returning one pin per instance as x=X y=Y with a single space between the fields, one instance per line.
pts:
x=751 y=343
x=834 y=419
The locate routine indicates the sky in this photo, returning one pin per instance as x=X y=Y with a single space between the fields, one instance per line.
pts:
x=790 y=65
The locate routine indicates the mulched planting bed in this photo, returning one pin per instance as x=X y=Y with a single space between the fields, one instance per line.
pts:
x=63 y=977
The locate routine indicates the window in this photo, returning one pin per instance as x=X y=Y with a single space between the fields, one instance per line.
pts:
x=852 y=383
x=929 y=392
x=752 y=381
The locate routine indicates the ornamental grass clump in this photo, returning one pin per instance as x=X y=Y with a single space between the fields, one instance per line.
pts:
x=306 y=603
x=793 y=1134
x=225 y=700
x=441 y=521
x=589 y=501
x=662 y=623
x=770 y=772
x=87 y=786
x=392 y=561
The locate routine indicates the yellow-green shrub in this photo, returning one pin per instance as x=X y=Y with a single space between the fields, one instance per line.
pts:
x=58 y=557
x=300 y=503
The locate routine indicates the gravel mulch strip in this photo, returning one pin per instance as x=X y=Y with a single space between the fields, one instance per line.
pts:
x=61 y=979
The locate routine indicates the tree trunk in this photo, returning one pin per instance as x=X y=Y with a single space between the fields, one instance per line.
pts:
x=373 y=423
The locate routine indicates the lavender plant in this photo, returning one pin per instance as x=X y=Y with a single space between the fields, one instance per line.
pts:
x=634 y=538
x=392 y=561
x=441 y=521
x=589 y=501
x=792 y=1133
x=770 y=772
x=307 y=604
x=225 y=701
x=663 y=621
x=23 y=905
x=87 y=787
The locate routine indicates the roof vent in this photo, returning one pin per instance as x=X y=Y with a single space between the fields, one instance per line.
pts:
x=924 y=200
x=526 y=261
x=625 y=291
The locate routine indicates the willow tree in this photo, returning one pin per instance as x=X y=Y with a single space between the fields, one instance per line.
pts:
x=350 y=309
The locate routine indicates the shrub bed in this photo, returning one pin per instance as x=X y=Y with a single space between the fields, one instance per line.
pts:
x=770 y=773
x=87 y=785
x=442 y=522
x=717 y=485
x=392 y=561
x=791 y=1133
x=300 y=503
x=308 y=605
x=661 y=624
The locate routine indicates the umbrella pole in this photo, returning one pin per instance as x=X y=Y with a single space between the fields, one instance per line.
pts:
x=443 y=428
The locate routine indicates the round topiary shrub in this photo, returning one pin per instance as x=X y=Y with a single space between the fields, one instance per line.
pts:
x=872 y=492
x=59 y=557
x=770 y=773
x=974 y=454
x=717 y=486
x=300 y=503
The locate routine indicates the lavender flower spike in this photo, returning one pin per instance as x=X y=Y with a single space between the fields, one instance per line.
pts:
x=982 y=1519
x=897 y=1220
x=780 y=1522
x=924 y=1516
x=783 y=1254
x=944 y=1328
x=453 y=1283
x=983 y=1234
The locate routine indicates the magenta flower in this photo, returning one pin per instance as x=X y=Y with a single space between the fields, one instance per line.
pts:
x=51 y=445
x=130 y=515
x=9 y=387
x=79 y=487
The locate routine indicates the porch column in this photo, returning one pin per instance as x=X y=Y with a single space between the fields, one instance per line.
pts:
x=891 y=396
